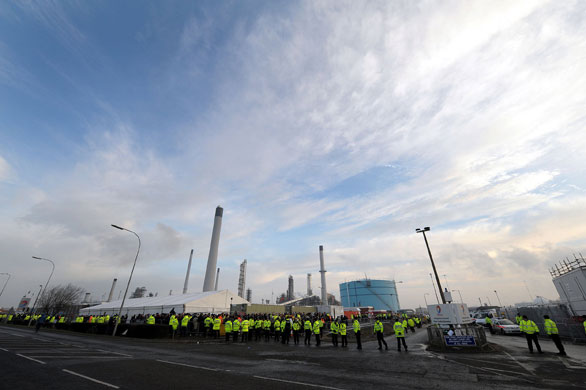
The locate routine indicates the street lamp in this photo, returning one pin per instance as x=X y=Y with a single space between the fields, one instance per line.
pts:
x=446 y=279
x=461 y=300
x=425 y=299
x=497 y=297
x=129 y=279
x=439 y=285
x=48 y=280
x=4 y=273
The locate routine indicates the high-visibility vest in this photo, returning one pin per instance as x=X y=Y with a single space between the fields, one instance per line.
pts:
x=101 y=320
x=378 y=327
x=417 y=320
x=399 y=330
x=236 y=325
x=207 y=322
x=404 y=323
x=334 y=328
x=61 y=320
x=356 y=326
x=550 y=327
x=488 y=321
x=258 y=324
x=217 y=323
x=307 y=325
x=245 y=325
x=343 y=329
x=584 y=326
x=277 y=325
x=296 y=326
x=106 y=319
x=150 y=320
x=528 y=327
x=283 y=325
x=185 y=321
x=228 y=326
x=411 y=322
x=518 y=319
x=267 y=324
x=316 y=326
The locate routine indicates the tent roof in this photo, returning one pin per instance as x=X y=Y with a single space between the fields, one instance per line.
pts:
x=190 y=299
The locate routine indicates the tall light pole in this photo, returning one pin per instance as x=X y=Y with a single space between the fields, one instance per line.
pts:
x=434 y=290
x=461 y=300
x=446 y=279
x=497 y=297
x=4 y=273
x=35 y=305
x=129 y=279
x=439 y=285
x=425 y=299
x=45 y=289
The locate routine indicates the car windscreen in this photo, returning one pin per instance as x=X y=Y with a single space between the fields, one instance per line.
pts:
x=505 y=322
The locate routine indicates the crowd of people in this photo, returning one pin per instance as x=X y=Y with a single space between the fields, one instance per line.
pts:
x=283 y=328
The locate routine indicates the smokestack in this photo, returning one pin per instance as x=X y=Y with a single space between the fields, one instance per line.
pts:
x=86 y=299
x=242 y=279
x=309 y=292
x=290 y=293
x=187 y=274
x=322 y=271
x=209 y=282
x=249 y=295
x=217 y=278
x=112 y=290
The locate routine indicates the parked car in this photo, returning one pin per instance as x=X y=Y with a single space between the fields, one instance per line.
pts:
x=505 y=326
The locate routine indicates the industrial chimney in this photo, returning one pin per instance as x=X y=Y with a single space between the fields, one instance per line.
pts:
x=209 y=282
x=322 y=271
x=242 y=279
x=112 y=290
x=217 y=278
x=309 y=292
x=290 y=293
x=187 y=274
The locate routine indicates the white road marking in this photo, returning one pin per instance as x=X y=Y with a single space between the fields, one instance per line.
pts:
x=115 y=353
x=293 y=362
x=570 y=366
x=188 y=365
x=91 y=379
x=48 y=341
x=524 y=366
x=30 y=358
x=296 y=383
x=2 y=349
x=14 y=334
x=77 y=357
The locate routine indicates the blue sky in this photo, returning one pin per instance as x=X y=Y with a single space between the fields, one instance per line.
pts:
x=343 y=124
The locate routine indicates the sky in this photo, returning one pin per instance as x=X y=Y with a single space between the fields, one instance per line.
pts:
x=346 y=124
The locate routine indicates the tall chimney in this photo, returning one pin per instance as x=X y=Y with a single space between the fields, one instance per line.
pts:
x=209 y=282
x=86 y=299
x=187 y=274
x=112 y=290
x=217 y=278
x=322 y=271
x=242 y=279
x=309 y=292
x=290 y=293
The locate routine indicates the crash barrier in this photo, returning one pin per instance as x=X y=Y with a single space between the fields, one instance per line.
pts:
x=570 y=327
x=467 y=336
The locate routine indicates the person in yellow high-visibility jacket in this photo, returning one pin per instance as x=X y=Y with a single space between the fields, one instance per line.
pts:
x=552 y=331
x=531 y=330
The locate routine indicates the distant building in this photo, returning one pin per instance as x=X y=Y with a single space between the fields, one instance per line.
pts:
x=380 y=294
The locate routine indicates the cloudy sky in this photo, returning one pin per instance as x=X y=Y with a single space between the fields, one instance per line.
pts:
x=343 y=124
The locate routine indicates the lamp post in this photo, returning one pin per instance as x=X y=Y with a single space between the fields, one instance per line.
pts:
x=44 y=289
x=446 y=279
x=461 y=300
x=35 y=305
x=425 y=299
x=497 y=297
x=434 y=290
x=439 y=285
x=129 y=279
x=4 y=273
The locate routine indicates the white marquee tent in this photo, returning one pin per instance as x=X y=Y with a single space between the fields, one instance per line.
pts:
x=201 y=302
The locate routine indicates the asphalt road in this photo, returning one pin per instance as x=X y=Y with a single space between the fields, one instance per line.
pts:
x=63 y=360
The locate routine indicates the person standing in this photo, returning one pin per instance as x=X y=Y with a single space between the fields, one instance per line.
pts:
x=488 y=324
x=378 y=329
x=552 y=331
x=184 y=324
x=334 y=329
x=307 y=329
x=531 y=330
x=343 y=329
x=216 y=327
x=235 y=329
x=296 y=329
x=277 y=327
x=356 y=326
x=228 y=328
x=411 y=324
x=400 y=335
x=245 y=325
x=316 y=331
